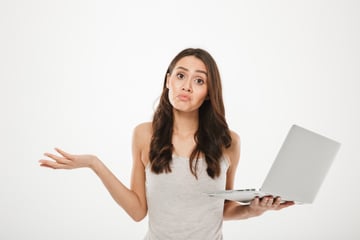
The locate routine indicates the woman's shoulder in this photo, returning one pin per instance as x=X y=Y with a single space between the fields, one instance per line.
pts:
x=143 y=131
x=233 y=152
x=145 y=126
x=234 y=136
x=141 y=140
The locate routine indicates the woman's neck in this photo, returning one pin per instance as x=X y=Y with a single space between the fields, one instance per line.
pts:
x=185 y=123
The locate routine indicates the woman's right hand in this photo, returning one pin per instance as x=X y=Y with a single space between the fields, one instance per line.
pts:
x=67 y=160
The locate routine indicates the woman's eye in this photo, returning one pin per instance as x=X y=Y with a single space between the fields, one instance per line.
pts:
x=199 y=81
x=180 y=76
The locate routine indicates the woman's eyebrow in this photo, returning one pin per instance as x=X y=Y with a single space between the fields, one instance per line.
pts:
x=199 y=71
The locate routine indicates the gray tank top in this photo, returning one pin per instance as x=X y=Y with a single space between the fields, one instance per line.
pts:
x=178 y=207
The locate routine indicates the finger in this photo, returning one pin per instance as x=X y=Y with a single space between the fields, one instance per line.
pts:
x=285 y=204
x=277 y=202
x=269 y=202
x=52 y=164
x=264 y=201
x=255 y=202
x=288 y=203
x=63 y=153
x=57 y=158
x=45 y=163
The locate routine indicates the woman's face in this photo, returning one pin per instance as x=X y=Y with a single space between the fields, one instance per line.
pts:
x=187 y=84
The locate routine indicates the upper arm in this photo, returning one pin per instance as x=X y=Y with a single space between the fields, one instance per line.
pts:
x=140 y=150
x=233 y=152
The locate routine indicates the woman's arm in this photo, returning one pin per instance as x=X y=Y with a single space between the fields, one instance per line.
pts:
x=234 y=210
x=132 y=200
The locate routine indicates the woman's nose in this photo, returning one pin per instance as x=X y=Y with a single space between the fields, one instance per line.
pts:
x=186 y=89
x=187 y=86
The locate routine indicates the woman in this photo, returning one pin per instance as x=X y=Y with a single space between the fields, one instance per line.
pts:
x=186 y=151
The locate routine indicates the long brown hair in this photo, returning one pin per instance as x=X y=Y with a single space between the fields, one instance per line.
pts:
x=213 y=133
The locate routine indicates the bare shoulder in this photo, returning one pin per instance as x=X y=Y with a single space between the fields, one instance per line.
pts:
x=142 y=133
x=235 y=137
x=144 y=128
x=233 y=152
x=235 y=143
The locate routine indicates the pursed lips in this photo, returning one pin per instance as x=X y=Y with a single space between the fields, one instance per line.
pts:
x=183 y=97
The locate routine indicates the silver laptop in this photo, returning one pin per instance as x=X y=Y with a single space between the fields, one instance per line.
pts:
x=297 y=172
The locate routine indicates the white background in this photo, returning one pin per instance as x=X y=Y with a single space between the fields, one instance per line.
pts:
x=80 y=75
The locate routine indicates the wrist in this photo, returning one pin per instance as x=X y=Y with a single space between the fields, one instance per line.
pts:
x=94 y=163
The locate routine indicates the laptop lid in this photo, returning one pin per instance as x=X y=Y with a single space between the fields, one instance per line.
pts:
x=300 y=166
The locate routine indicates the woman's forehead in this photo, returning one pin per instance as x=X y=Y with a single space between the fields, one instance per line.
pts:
x=191 y=63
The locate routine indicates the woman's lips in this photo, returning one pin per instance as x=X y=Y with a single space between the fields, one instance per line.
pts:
x=183 y=97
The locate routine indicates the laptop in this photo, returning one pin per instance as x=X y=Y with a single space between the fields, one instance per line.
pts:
x=297 y=172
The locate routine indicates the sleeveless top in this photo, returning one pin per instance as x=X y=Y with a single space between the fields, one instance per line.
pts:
x=178 y=206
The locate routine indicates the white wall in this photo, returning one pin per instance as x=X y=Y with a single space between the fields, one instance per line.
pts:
x=81 y=74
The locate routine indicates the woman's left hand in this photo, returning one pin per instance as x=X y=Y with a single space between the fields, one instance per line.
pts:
x=259 y=206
